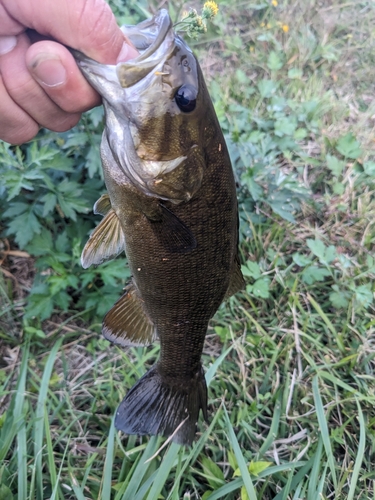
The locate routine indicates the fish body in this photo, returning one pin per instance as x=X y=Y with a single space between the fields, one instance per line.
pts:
x=172 y=207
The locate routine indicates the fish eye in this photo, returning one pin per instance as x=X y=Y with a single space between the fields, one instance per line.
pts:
x=186 y=98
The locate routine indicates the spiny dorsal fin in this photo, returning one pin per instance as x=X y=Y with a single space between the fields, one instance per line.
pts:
x=106 y=241
x=236 y=281
x=127 y=322
x=103 y=205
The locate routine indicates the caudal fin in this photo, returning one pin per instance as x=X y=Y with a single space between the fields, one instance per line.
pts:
x=152 y=406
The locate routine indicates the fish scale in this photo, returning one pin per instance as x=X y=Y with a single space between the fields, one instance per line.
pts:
x=172 y=207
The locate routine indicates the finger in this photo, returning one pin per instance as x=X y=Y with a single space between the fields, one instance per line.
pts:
x=8 y=25
x=86 y=25
x=28 y=94
x=16 y=126
x=54 y=68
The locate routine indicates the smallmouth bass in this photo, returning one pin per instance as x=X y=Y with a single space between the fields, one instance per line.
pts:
x=172 y=207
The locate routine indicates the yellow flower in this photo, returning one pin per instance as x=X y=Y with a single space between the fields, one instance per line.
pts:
x=274 y=3
x=211 y=7
x=285 y=28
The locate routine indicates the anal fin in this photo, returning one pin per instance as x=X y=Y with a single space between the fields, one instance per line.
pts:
x=127 y=323
x=106 y=241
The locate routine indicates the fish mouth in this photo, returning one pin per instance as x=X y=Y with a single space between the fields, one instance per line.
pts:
x=153 y=38
x=133 y=90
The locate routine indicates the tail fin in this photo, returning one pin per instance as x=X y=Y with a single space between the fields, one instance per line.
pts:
x=152 y=406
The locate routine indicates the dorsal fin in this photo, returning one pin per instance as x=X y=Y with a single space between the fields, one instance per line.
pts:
x=127 y=322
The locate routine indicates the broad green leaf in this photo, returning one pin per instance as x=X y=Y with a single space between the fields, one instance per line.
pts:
x=275 y=61
x=255 y=468
x=49 y=203
x=295 y=73
x=251 y=269
x=283 y=209
x=301 y=260
x=335 y=165
x=369 y=168
x=267 y=87
x=338 y=299
x=314 y=273
x=364 y=295
x=349 y=147
x=285 y=126
x=213 y=473
x=317 y=247
x=300 y=134
x=5 y=493
x=260 y=288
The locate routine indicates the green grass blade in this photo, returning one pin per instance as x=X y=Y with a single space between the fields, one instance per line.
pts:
x=313 y=481
x=346 y=387
x=213 y=368
x=194 y=453
x=75 y=486
x=322 y=483
x=240 y=460
x=297 y=480
x=273 y=429
x=141 y=469
x=108 y=464
x=360 y=453
x=50 y=455
x=39 y=419
x=164 y=470
x=324 y=429
x=19 y=416
x=287 y=488
x=55 y=495
x=226 y=489
x=270 y=471
x=327 y=321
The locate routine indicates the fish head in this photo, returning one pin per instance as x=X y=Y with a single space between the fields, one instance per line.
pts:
x=155 y=106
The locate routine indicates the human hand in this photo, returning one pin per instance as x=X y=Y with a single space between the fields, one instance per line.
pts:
x=40 y=83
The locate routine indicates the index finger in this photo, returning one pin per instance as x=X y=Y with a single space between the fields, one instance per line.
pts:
x=86 y=25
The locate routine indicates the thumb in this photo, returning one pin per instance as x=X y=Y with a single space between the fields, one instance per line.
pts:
x=86 y=25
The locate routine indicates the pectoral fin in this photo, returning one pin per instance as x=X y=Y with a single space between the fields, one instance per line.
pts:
x=175 y=236
x=106 y=241
x=103 y=205
x=127 y=323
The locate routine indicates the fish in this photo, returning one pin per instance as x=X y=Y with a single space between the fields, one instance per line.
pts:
x=172 y=207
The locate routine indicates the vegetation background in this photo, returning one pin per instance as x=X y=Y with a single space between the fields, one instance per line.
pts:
x=290 y=360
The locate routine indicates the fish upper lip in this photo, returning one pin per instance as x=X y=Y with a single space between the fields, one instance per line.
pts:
x=160 y=40
x=162 y=20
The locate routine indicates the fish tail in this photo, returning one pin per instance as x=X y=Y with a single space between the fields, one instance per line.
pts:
x=155 y=406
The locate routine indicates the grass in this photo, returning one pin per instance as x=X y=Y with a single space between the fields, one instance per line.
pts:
x=290 y=360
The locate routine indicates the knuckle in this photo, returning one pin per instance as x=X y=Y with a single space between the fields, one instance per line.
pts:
x=17 y=133
x=65 y=122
